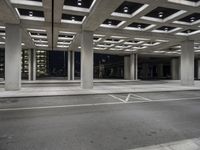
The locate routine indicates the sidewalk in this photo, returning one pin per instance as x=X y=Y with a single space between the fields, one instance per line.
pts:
x=191 y=144
x=99 y=88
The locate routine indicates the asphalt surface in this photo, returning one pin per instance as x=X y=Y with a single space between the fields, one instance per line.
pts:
x=147 y=119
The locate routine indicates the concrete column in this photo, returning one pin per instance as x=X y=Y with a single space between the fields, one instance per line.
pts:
x=87 y=60
x=33 y=64
x=133 y=67
x=127 y=67
x=13 y=57
x=29 y=65
x=175 y=69
x=69 y=66
x=198 y=68
x=73 y=64
x=187 y=63
x=136 y=66
x=160 y=71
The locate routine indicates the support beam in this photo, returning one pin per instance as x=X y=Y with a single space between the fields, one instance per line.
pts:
x=13 y=57
x=127 y=67
x=187 y=63
x=133 y=67
x=175 y=68
x=87 y=60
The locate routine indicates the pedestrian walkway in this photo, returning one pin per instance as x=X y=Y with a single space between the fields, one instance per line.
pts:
x=55 y=89
x=191 y=144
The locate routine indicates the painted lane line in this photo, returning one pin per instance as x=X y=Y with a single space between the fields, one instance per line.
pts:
x=128 y=97
x=96 y=104
x=141 y=97
x=59 y=106
x=115 y=97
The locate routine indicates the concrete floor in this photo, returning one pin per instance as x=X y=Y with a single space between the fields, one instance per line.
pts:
x=98 y=122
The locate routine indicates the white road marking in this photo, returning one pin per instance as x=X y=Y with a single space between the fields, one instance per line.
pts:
x=96 y=104
x=127 y=98
x=115 y=97
x=141 y=97
x=59 y=106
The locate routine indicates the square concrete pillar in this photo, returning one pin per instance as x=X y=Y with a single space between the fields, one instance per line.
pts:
x=175 y=68
x=187 y=63
x=127 y=67
x=32 y=65
x=198 y=68
x=13 y=50
x=87 y=60
x=133 y=67
x=70 y=65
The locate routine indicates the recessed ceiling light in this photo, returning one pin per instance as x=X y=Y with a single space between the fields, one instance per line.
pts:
x=73 y=18
x=30 y=13
x=79 y=2
x=192 y=19
x=160 y=14
x=126 y=9
x=166 y=29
